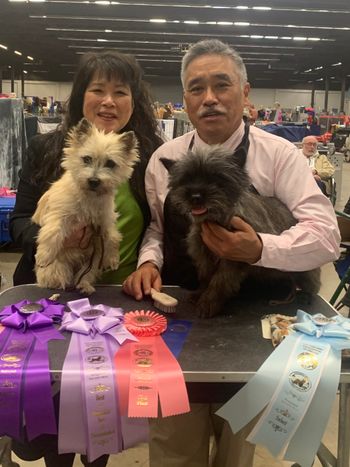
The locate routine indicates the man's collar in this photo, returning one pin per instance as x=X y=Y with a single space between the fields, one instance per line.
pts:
x=231 y=143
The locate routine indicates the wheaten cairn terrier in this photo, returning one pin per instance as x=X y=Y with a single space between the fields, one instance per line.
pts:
x=95 y=164
x=213 y=185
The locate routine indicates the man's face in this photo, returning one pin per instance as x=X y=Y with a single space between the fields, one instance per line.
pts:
x=309 y=147
x=214 y=97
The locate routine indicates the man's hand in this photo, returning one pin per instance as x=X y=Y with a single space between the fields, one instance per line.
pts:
x=243 y=244
x=141 y=281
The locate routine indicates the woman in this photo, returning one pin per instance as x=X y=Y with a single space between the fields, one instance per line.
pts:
x=109 y=91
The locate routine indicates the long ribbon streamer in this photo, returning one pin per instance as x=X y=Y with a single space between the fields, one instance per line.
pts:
x=309 y=361
x=89 y=420
x=25 y=384
x=147 y=370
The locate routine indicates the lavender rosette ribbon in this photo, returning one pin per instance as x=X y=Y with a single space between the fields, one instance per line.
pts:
x=89 y=420
x=25 y=384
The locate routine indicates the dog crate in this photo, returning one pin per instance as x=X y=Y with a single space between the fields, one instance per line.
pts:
x=6 y=207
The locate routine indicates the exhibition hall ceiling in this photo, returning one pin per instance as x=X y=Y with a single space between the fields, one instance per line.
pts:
x=285 y=44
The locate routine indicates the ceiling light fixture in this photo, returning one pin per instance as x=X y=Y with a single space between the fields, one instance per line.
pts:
x=17 y=52
x=3 y=47
x=241 y=23
x=29 y=57
x=157 y=20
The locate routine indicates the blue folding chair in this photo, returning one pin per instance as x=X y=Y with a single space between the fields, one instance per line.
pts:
x=342 y=265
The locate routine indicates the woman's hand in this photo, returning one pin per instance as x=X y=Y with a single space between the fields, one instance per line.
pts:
x=241 y=244
x=141 y=281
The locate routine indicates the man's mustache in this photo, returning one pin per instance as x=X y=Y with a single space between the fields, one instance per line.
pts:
x=208 y=112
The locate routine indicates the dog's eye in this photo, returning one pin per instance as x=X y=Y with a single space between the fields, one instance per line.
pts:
x=87 y=160
x=110 y=164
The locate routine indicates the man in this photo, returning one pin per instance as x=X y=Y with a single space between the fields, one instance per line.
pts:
x=215 y=91
x=319 y=164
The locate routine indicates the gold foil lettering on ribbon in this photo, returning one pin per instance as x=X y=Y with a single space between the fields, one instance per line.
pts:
x=142 y=400
x=10 y=358
x=8 y=384
x=100 y=388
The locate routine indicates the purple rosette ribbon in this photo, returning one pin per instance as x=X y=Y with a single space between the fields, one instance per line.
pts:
x=89 y=420
x=25 y=383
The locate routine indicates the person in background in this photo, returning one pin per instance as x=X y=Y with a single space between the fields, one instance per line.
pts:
x=216 y=89
x=278 y=113
x=346 y=149
x=108 y=90
x=320 y=167
x=250 y=114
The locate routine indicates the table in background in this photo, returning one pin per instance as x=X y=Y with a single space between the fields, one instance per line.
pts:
x=219 y=353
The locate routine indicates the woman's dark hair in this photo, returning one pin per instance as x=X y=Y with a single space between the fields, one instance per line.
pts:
x=108 y=64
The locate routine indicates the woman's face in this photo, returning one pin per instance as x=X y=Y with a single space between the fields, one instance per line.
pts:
x=108 y=104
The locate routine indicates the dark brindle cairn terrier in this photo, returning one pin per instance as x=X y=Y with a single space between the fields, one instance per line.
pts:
x=212 y=185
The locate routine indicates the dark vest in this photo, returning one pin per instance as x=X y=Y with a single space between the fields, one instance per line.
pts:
x=178 y=267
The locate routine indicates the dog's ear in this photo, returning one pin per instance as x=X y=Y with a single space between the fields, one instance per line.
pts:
x=168 y=163
x=83 y=127
x=78 y=133
x=129 y=140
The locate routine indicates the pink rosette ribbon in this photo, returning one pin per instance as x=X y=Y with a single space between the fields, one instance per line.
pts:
x=147 y=370
x=25 y=383
x=89 y=420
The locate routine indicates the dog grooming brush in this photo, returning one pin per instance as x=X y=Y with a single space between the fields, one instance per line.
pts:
x=164 y=301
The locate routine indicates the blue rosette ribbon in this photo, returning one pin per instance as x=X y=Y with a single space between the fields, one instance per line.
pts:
x=89 y=419
x=25 y=383
x=294 y=389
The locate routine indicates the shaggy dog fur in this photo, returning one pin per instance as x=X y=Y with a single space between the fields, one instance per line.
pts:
x=214 y=186
x=95 y=164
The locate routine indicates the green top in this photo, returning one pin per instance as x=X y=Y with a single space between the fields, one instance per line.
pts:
x=130 y=225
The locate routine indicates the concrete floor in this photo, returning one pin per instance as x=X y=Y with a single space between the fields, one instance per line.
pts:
x=139 y=456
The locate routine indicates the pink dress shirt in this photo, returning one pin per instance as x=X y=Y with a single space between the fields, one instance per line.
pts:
x=276 y=168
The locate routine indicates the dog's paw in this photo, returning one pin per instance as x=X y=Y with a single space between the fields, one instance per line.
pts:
x=53 y=276
x=194 y=296
x=85 y=287
x=112 y=263
x=207 y=309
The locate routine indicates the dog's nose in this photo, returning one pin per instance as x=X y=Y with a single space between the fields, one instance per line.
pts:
x=94 y=182
x=196 y=199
